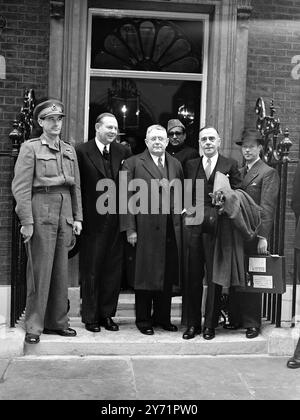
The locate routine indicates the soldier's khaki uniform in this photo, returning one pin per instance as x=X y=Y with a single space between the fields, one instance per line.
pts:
x=46 y=187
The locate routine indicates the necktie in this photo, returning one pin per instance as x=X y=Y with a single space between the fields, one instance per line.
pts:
x=208 y=168
x=105 y=153
x=160 y=165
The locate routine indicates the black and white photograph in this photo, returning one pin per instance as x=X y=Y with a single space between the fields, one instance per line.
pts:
x=150 y=203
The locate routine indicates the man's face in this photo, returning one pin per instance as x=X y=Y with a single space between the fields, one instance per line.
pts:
x=176 y=136
x=51 y=125
x=251 y=150
x=156 y=142
x=209 y=141
x=107 y=130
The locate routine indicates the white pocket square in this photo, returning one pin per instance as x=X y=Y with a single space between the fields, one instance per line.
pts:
x=253 y=184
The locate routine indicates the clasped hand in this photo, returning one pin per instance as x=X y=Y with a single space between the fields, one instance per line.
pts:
x=218 y=200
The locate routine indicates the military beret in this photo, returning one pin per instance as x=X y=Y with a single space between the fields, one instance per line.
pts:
x=248 y=135
x=175 y=123
x=47 y=108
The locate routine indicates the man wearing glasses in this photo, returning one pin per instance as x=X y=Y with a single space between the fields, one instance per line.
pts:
x=201 y=240
x=155 y=234
x=177 y=147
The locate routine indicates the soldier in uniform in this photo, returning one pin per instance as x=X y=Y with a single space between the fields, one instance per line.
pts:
x=46 y=187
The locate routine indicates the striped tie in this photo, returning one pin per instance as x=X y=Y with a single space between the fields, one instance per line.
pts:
x=208 y=168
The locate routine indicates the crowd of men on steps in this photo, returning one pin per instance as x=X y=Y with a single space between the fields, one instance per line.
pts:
x=59 y=196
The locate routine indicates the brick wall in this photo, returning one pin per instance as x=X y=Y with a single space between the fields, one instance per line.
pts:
x=24 y=45
x=274 y=39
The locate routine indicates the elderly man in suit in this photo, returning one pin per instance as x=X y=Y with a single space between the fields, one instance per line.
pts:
x=261 y=182
x=157 y=235
x=101 y=248
x=201 y=239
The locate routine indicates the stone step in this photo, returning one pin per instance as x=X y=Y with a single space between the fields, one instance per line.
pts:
x=125 y=304
x=129 y=341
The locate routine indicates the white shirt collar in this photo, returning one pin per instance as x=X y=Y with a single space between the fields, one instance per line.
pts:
x=101 y=145
x=155 y=159
x=213 y=161
x=252 y=163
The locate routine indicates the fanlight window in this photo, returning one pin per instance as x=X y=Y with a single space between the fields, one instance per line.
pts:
x=147 y=45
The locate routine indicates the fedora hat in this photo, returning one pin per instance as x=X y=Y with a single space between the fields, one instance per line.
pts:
x=249 y=135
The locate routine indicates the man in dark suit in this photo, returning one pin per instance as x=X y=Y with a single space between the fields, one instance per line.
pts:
x=201 y=239
x=101 y=247
x=261 y=182
x=157 y=234
x=177 y=146
x=294 y=362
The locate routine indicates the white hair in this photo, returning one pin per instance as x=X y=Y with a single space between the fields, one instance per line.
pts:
x=156 y=127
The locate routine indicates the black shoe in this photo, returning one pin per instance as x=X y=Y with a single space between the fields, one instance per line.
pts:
x=252 y=332
x=191 y=332
x=166 y=327
x=109 y=324
x=68 y=332
x=231 y=327
x=93 y=327
x=32 y=338
x=293 y=363
x=146 y=330
x=208 y=333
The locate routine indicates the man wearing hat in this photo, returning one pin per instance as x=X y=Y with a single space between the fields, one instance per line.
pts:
x=177 y=147
x=261 y=182
x=46 y=187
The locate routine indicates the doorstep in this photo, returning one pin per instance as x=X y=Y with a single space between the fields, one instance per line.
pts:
x=128 y=341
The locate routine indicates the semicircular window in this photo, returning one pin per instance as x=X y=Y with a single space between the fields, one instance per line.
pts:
x=147 y=45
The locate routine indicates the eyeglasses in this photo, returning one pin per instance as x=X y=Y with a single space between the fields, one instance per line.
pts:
x=175 y=133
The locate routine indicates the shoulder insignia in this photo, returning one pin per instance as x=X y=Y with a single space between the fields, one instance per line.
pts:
x=35 y=139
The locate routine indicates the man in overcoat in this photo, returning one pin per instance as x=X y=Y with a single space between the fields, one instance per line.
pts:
x=201 y=239
x=261 y=182
x=157 y=235
x=101 y=246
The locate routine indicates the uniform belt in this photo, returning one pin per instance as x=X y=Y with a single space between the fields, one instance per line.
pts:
x=51 y=189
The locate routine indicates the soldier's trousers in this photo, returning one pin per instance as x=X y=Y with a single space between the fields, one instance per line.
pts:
x=47 y=269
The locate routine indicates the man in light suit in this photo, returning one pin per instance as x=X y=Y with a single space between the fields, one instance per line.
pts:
x=101 y=247
x=157 y=235
x=261 y=182
x=201 y=239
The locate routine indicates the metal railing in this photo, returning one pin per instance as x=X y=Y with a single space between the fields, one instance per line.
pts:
x=22 y=128
x=276 y=154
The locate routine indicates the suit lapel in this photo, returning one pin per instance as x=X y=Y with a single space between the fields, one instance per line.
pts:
x=199 y=172
x=251 y=174
x=171 y=167
x=94 y=155
x=116 y=158
x=149 y=165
